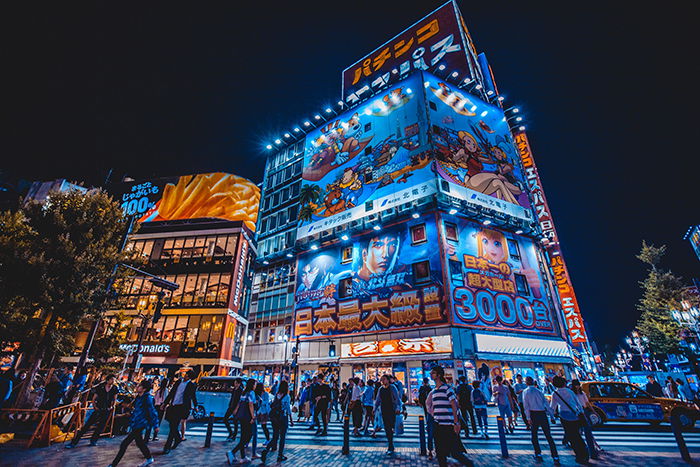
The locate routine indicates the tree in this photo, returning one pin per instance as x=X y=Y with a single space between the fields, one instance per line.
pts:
x=663 y=293
x=56 y=259
x=105 y=349
x=306 y=212
x=309 y=194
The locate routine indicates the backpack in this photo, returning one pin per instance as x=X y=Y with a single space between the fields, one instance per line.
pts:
x=243 y=411
x=479 y=398
x=276 y=408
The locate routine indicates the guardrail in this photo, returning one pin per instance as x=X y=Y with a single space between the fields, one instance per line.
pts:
x=41 y=427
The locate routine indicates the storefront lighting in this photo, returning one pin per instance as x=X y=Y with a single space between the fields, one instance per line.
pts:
x=317 y=117
x=409 y=91
x=489 y=93
x=519 y=119
x=289 y=255
x=455 y=74
x=340 y=103
x=314 y=247
x=473 y=108
x=521 y=128
x=329 y=110
x=307 y=123
x=453 y=211
x=297 y=130
x=467 y=80
x=415 y=215
x=278 y=141
x=266 y=262
x=484 y=113
x=287 y=135
x=486 y=222
x=377 y=227
x=426 y=84
x=516 y=110
x=501 y=98
x=441 y=67
x=518 y=232
x=250 y=337
x=478 y=87
x=344 y=237
x=269 y=146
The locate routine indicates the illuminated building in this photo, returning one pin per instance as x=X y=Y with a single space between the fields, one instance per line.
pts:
x=423 y=233
x=693 y=236
x=195 y=231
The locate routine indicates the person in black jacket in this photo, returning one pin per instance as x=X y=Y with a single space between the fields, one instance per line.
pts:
x=231 y=410
x=464 y=397
x=181 y=399
x=653 y=387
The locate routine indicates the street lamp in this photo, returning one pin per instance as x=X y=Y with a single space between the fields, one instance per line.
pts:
x=639 y=343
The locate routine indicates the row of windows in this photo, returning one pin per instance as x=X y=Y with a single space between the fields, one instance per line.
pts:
x=272 y=200
x=285 y=155
x=274 y=277
x=198 y=333
x=280 y=218
x=202 y=246
x=205 y=289
x=275 y=334
x=277 y=243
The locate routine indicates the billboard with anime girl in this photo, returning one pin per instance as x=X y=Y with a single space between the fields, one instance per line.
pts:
x=474 y=150
x=495 y=280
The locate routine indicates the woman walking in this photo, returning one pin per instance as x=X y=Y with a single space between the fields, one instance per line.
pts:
x=245 y=414
x=280 y=415
x=143 y=417
x=263 y=412
x=588 y=410
x=387 y=401
x=158 y=400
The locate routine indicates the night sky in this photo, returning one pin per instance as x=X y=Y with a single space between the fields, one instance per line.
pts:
x=155 y=89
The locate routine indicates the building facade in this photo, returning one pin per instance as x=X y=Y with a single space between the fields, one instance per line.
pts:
x=423 y=234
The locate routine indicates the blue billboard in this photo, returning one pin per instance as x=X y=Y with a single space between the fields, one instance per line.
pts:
x=384 y=280
x=367 y=160
x=474 y=150
x=495 y=280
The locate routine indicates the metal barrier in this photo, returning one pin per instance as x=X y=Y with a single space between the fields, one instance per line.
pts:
x=678 y=433
x=502 y=437
x=108 y=426
x=421 y=438
x=346 y=435
x=210 y=430
x=34 y=427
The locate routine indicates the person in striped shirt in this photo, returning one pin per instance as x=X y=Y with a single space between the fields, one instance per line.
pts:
x=446 y=426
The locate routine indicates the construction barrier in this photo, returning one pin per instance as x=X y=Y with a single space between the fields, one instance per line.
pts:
x=32 y=427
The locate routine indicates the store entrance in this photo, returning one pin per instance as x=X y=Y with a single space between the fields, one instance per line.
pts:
x=376 y=370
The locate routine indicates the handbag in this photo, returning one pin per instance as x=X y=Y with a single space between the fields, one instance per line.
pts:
x=581 y=415
x=398 y=425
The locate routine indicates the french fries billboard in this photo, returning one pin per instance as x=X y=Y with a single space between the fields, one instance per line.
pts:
x=211 y=195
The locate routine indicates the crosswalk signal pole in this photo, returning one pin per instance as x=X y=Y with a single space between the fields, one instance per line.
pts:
x=421 y=431
x=502 y=437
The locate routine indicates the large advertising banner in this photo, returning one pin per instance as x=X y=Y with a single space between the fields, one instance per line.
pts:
x=474 y=150
x=384 y=280
x=562 y=279
x=495 y=280
x=219 y=195
x=366 y=160
x=694 y=237
x=439 y=39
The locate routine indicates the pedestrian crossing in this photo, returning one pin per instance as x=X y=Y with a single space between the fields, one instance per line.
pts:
x=610 y=438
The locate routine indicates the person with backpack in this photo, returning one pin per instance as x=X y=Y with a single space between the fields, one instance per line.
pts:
x=564 y=401
x=479 y=402
x=464 y=397
x=387 y=401
x=144 y=416
x=245 y=414
x=231 y=410
x=535 y=410
x=280 y=414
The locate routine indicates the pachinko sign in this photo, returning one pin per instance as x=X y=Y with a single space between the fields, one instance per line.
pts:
x=409 y=346
x=562 y=279
x=474 y=151
x=495 y=281
x=437 y=40
x=385 y=280
x=219 y=195
x=693 y=236
x=367 y=160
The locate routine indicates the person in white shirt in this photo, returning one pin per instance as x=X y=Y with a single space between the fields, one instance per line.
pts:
x=536 y=411
x=355 y=407
x=565 y=401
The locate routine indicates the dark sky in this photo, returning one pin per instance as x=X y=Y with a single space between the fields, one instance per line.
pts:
x=157 y=89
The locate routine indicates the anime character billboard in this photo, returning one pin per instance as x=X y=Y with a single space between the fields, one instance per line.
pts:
x=474 y=150
x=495 y=280
x=384 y=280
x=378 y=152
x=693 y=236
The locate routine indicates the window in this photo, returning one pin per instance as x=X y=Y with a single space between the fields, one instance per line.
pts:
x=285 y=194
x=345 y=287
x=418 y=234
x=271 y=335
x=297 y=167
x=256 y=336
x=273 y=222
x=451 y=231
x=293 y=214
x=168 y=328
x=222 y=295
x=295 y=189
x=513 y=249
x=369 y=205
x=346 y=255
x=147 y=248
x=231 y=245
x=276 y=199
x=421 y=271
x=432 y=105
x=188 y=293
x=521 y=284
x=456 y=271
x=368 y=126
x=180 y=329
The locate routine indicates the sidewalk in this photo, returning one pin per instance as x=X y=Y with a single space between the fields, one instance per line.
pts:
x=191 y=453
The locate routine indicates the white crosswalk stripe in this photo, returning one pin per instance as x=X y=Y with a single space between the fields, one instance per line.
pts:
x=620 y=438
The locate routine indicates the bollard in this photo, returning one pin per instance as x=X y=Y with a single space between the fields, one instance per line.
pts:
x=255 y=438
x=210 y=430
x=346 y=435
x=502 y=437
x=678 y=433
x=421 y=431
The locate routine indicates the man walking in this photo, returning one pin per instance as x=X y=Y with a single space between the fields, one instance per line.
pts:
x=501 y=396
x=102 y=402
x=446 y=415
x=653 y=387
x=519 y=388
x=322 y=399
x=536 y=410
x=181 y=399
x=231 y=410
x=464 y=397
x=355 y=405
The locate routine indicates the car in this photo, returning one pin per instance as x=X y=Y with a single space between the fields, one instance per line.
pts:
x=618 y=401
x=214 y=394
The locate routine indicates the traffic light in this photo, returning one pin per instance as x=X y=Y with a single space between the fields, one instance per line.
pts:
x=331 y=350
x=159 y=307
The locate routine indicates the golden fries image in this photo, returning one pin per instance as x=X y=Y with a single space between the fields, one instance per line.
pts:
x=221 y=195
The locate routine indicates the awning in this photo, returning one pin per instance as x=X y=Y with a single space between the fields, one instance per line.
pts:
x=499 y=347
